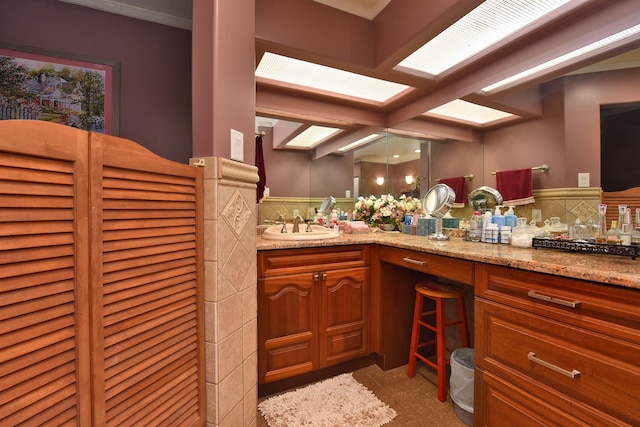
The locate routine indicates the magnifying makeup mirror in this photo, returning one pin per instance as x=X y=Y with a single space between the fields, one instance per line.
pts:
x=327 y=204
x=437 y=202
x=485 y=199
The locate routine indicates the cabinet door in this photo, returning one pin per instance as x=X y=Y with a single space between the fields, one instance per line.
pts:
x=344 y=322
x=287 y=326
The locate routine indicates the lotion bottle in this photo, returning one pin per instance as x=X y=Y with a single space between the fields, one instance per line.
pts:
x=510 y=218
x=497 y=217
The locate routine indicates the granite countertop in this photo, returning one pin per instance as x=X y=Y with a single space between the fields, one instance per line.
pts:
x=609 y=269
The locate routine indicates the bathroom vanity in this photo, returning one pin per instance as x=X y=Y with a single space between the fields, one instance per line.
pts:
x=557 y=334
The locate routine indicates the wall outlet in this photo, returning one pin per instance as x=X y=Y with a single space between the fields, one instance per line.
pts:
x=347 y=194
x=536 y=215
x=583 y=179
x=296 y=212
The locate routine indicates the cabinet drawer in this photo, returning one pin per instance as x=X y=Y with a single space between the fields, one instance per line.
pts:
x=509 y=405
x=458 y=270
x=552 y=359
x=307 y=260
x=611 y=310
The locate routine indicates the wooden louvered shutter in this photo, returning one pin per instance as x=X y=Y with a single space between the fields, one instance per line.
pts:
x=146 y=314
x=101 y=269
x=44 y=323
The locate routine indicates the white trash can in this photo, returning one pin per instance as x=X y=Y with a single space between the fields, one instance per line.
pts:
x=461 y=383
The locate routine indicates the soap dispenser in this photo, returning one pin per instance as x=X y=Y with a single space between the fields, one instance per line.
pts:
x=497 y=217
x=510 y=218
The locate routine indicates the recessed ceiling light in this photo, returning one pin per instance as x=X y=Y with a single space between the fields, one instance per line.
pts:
x=484 y=26
x=311 y=136
x=359 y=142
x=563 y=59
x=320 y=77
x=418 y=150
x=467 y=111
x=396 y=156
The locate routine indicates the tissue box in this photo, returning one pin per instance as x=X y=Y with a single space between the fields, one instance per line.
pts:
x=426 y=226
x=450 y=223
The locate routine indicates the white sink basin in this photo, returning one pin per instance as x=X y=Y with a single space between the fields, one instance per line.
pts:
x=317 y=232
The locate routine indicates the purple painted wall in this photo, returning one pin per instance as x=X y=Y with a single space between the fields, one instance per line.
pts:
x=155 y=64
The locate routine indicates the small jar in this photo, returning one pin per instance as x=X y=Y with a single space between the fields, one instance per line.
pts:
x=522 y=234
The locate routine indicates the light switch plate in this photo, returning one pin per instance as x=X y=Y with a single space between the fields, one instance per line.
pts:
x=237 y=145
x=583 y=179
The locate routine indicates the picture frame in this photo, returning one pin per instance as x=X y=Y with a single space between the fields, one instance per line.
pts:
x=77 y=91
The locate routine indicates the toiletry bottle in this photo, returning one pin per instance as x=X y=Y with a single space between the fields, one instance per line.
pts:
x=510 y=217
x=635 y=236
x=497 y=217
x=486 y=220
x=475 y=227
x=613 y=234
x=601 y=235
x=505 y=234
x=624 y=223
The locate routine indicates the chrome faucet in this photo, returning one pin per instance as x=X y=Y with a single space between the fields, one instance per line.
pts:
x=296 y=224
x=284 y=223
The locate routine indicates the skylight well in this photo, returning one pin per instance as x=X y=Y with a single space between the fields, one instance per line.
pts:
x=487 y=24
x=563 y=59
x=469 y=112
x=311 y=136
x=320 y=77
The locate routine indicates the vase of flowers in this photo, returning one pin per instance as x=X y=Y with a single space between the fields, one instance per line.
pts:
x=385 y=212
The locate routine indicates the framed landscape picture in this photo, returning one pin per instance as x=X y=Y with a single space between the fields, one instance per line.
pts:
x=73 y=91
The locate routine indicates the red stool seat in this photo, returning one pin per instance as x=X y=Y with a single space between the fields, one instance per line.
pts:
x=438 y=292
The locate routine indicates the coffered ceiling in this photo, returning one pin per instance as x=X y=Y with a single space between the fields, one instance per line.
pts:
x=371 y=37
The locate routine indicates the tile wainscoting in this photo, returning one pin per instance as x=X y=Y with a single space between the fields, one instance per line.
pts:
x=230 y=292
x=565 y=203
x=271 y=207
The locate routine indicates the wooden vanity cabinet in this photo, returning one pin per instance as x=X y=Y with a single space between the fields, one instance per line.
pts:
x=312 y=309
x=554 y=351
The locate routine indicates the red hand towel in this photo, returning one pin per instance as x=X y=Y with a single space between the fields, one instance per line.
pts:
x=515 y=187
x=262 y=173
x=458 y=184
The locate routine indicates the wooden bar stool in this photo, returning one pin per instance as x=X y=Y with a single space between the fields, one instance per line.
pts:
x=438 y=292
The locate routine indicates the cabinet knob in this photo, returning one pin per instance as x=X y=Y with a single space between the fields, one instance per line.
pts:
x=324 y=276
x=316 y=277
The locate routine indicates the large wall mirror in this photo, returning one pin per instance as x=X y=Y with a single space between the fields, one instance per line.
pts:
x=566 y=137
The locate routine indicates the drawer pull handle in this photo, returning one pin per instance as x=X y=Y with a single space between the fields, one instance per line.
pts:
x=571 y=374
x=572 y=304
x=414 y=261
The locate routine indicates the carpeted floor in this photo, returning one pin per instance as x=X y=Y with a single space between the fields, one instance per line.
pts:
x=414 y=399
